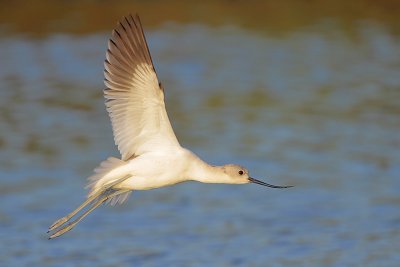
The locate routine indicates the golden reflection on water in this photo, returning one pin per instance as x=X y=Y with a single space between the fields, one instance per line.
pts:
x=44 y=17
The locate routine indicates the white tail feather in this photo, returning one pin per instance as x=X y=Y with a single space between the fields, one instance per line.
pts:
x=99 y=179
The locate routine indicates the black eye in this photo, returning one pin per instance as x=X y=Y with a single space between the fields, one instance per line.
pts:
x=240 y=172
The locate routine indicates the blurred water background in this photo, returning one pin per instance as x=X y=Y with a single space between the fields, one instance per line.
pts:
x=305 y=93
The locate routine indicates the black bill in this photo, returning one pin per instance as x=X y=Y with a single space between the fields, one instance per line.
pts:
x=252 y=180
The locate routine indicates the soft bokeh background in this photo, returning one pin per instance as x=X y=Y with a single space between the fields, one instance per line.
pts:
x=305 y=93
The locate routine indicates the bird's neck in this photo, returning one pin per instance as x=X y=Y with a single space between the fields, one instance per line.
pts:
x=202 y=172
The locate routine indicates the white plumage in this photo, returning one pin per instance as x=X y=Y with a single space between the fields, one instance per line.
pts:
x=134 y=97
x=151 y=156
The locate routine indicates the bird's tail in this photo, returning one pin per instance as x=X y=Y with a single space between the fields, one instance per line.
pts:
x=104 y=174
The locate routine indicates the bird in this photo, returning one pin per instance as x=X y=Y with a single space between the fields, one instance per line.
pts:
x=151 y=156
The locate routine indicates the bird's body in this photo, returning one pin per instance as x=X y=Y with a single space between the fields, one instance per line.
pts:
x=158 y=169
x=162 y=168
x=154 y=169
x=151 y=156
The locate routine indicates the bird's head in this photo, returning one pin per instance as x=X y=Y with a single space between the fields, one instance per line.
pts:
x=240 y=175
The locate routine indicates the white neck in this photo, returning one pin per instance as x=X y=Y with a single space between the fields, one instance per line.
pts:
x=205 y=173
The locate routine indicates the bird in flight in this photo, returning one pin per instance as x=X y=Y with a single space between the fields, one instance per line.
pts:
x=151 y=156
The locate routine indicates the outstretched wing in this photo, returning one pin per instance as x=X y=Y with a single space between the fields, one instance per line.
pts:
x=134 y=97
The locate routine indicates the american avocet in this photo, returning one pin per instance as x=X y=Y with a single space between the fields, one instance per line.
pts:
x=151 y=156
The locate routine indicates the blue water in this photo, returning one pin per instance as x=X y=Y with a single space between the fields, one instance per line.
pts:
x=316 y=108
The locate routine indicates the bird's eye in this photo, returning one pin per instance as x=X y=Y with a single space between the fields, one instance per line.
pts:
x=240 y=172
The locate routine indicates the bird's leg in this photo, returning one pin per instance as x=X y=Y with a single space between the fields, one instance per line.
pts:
x=65 y=219
x=100 y=201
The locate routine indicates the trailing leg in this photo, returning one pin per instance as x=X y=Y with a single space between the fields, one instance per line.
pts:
x=100 y=201
x=106 y=187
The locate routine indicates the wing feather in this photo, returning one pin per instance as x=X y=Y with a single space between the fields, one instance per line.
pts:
x=134 y=98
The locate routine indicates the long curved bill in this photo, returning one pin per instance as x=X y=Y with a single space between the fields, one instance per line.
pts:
x=255 y=181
